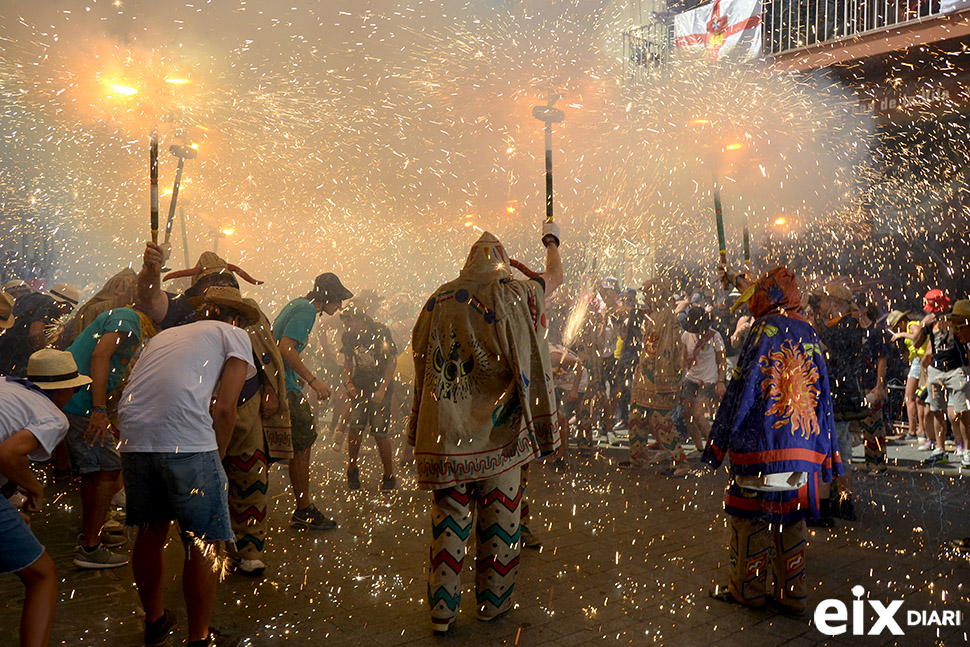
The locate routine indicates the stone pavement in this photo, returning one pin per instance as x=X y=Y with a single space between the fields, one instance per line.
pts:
x=627 y=559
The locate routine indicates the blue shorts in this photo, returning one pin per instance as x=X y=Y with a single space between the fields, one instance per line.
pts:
x=86 y=458
x=915 y=368
x=20 y=547
x=190 y=488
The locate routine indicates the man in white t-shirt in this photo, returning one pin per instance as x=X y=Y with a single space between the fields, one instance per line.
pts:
x=31 y=425
x=706 y=366
x=172 y=449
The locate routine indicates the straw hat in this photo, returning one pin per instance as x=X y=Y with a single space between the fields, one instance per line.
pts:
x=229 y=297
x=894 y=317
x=6 y=310
x=961 y=309
x=65 y=293
x=15 y=283
x=52 y=369
x=838 y=291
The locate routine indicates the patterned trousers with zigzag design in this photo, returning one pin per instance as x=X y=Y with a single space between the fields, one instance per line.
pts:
x=755 y=544
x=496 y=504
x=873 y=429
x=643 y=423
x=248 y=476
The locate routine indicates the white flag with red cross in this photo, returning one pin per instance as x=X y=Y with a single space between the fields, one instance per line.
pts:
x=725 y=28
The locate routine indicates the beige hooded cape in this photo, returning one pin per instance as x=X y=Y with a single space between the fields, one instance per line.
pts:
x=483 y=394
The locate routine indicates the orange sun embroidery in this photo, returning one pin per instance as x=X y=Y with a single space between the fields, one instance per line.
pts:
x=791 y=389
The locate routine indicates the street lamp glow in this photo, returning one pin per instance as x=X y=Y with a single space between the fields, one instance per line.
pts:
x=228 y=231
x=124 y=90
x=733 y=147
x=177 y=81
x=780 y=221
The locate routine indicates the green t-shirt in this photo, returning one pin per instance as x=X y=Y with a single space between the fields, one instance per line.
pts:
x=295 y=321
x=123 y=321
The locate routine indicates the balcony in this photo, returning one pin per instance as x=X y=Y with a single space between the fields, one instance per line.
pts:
x=800 y=35
x=806 y=34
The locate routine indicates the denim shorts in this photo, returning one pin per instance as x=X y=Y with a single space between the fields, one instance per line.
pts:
x=190 y=488
x=86 y=458
x=20 y=547
x=915 y=368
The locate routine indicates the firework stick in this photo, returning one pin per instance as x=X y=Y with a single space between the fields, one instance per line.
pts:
x=548 y=171
x=153 y=173
x=175 y=197
x=549 y=116
x=747 y=245
x=719 y=217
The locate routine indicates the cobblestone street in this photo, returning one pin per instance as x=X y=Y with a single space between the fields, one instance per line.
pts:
x=627 y=558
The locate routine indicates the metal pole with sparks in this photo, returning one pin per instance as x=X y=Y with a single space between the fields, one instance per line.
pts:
x=153 y=173
x=185 y=237
x=182 y=153
x=549 y=116
x=719 y=217
x=746 y=240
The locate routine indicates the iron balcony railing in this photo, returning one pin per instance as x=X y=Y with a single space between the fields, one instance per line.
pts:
x=790 y=25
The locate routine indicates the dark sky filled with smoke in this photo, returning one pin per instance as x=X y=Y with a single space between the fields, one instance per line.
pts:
x=375 y=139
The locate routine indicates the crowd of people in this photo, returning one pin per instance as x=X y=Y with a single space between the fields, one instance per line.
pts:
x=174 y=405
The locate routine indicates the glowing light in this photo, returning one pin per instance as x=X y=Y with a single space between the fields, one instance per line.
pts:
x=780 y=221
x=228 y=231
x=177 y=81
x=124 y=90
x=733 y=147
x=194 y=147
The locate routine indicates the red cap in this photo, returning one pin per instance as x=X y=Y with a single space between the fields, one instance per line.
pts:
x=935 y=301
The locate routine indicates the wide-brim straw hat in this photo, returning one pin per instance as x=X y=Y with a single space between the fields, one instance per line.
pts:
x=894 y=317
x=961 y=309
x=229 y=297
x=52 y=369
x=6 y=310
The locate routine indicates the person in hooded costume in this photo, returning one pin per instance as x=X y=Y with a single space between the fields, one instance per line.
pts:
x=484 y=406
x=776 y=425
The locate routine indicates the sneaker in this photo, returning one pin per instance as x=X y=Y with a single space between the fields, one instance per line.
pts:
x=249 y=567
x=99 y=558
x=218 y=639
x=113 y=538
x=528 y=539
x=611 y=438
x=156 y=633
x=927 y=446
x=119 y=500
x=965 y=459
x=959 y=448
x=311 y=519
x=938 y=457
x=353 y=479
x=389 y=483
